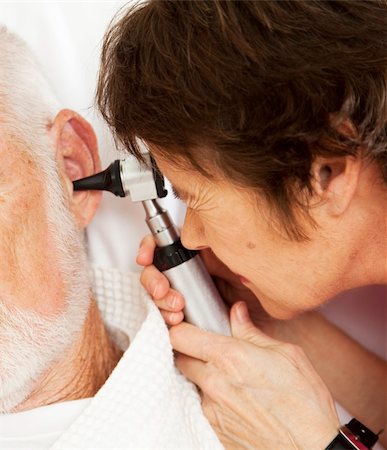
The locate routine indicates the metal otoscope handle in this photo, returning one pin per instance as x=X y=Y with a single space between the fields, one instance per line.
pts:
x=187 y=274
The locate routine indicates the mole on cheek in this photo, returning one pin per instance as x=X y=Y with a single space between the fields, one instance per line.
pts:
x=250 y=245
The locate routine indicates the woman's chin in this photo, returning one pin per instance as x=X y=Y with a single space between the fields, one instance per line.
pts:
x=274 y=308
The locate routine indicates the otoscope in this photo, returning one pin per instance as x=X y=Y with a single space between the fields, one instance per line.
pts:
x=184 y=268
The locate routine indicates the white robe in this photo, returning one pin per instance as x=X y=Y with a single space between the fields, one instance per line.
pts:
x=145 y=403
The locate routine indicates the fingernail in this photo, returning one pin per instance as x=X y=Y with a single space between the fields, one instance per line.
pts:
x=154 y=287
x=174 y=302
x=140 y=253
x=171 y=318
x=242 y=313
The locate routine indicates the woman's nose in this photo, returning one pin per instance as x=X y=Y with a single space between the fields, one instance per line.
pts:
x=192 y=233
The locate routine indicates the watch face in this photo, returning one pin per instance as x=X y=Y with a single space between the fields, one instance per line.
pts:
x=340 y=443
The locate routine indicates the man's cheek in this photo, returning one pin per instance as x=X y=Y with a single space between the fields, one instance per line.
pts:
x=29 y=275
x=9 y=267
x=40 y=263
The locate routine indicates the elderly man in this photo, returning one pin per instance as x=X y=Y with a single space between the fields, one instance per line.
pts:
x=56 y=351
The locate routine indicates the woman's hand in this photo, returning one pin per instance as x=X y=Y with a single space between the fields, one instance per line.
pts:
x=257 y=393
x=169 y=301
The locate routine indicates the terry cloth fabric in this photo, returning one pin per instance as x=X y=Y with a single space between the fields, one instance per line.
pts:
x=146 y=403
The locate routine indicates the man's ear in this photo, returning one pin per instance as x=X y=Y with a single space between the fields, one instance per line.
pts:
x=335 y=181
x=77 y=155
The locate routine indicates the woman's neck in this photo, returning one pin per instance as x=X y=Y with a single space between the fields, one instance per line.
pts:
x=82 y=370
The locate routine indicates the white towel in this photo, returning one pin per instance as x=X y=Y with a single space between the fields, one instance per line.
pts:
x=146 y=403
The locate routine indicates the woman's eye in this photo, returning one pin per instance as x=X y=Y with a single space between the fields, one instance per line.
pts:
x=175 y=194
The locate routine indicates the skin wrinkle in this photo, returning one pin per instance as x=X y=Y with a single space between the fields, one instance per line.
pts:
x=98 y=357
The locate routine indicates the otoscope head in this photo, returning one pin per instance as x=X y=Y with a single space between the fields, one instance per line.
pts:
x=127 y=177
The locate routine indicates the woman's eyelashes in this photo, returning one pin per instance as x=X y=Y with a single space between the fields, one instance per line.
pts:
x=175 y=193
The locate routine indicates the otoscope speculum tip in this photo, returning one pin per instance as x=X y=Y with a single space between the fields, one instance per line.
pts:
x=107 y=180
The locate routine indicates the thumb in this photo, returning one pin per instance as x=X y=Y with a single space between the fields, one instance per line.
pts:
x=242 y=326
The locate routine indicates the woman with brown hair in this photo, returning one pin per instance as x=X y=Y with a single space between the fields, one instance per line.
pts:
x=269 y=119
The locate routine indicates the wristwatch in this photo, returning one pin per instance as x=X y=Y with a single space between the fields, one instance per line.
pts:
x=354 y=436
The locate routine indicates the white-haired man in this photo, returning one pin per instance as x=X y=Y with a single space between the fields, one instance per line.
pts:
x=56 y=351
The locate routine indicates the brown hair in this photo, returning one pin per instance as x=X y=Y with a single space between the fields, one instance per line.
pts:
x=249 y=86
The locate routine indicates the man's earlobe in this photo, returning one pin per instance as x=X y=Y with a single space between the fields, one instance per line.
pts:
x=335 y=181
x=77 y=155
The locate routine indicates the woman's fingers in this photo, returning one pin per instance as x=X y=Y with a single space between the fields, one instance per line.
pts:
x=243 y=328
x=194 y=369
x=192 y=341
x=207 y=377
x=172 y=318
x=169 y=301
x=172 y=302
x=155 y=283
x=146 y=251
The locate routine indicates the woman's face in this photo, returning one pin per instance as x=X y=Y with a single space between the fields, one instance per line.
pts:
x=286 y=276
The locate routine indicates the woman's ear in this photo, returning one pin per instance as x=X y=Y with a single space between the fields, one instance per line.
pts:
x=335 y=181
x=77 y=156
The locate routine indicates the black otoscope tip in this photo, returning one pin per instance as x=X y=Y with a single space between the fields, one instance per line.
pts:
x=107 y=180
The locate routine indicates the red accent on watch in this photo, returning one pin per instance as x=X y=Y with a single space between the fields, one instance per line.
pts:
x=352 y=438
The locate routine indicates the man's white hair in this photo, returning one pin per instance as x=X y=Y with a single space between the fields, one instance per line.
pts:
x=26 y=100
x=29 y=343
